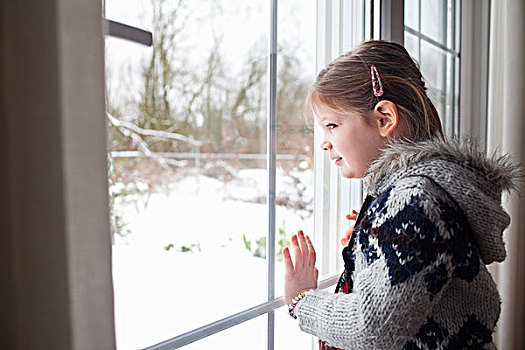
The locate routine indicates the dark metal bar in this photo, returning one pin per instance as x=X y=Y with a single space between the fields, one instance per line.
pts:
x=126 y=32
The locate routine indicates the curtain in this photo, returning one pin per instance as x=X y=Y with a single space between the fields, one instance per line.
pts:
x=506 y=124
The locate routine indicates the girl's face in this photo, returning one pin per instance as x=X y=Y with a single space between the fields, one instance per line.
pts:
x=352 y=143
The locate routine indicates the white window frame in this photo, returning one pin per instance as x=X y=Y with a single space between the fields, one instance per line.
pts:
x=473 y=112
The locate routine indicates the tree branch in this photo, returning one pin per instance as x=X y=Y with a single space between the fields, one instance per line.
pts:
x=148 y=132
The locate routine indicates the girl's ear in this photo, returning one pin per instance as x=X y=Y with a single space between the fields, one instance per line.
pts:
x=386 y=117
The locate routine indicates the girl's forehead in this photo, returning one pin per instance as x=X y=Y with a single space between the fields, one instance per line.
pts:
x=324 y=113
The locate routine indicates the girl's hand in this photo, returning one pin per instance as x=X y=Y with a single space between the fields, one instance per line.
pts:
x=348 y=232
x=302 y=275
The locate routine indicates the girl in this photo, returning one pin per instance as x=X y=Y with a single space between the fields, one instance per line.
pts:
x=415 y=275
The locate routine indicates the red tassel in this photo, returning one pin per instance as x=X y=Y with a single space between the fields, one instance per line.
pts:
x=324 y=346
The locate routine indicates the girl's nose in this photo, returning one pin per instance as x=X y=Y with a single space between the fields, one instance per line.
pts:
x=326 y=146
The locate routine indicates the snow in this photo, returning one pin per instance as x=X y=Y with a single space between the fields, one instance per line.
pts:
x=185 y=264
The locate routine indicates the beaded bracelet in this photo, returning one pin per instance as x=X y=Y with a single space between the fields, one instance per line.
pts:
x=294 y=302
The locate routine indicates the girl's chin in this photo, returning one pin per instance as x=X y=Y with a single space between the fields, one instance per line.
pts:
x=350 y=174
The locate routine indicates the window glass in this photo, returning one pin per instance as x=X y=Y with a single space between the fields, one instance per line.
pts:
x=435 y=49
x=187 y=124
x=412 y=14
x=287 y=333
x=188 y=165
x=247 y=335
x=434 y=20
x=412 y=44
x=295 y=170
x=433 y=66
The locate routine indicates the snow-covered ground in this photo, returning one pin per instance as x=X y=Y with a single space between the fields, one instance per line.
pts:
x=185 y=263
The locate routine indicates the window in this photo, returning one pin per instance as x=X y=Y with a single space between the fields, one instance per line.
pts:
x=433 y=39
x=449 y=39
x=212 y=165
x=190 y=164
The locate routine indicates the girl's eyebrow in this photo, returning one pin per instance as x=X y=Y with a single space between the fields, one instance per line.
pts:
x=332 y=119
x=321 y=119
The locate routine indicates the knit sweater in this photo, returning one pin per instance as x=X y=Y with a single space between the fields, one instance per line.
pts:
x=416 y=261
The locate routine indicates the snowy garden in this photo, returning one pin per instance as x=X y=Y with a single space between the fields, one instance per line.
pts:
x=195 y=253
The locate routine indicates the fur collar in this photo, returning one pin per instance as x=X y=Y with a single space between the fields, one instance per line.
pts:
x=472 y=179
x=501 y=171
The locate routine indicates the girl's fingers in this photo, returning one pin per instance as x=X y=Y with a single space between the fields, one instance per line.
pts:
x=305 y=252
x=349 y=231
x=288 y=264
x=351 y=217
x=312 y=257
x=297 y=251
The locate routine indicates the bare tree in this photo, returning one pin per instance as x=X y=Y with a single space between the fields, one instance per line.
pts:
x=203 y=100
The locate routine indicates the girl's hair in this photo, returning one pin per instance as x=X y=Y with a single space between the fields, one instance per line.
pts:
x=345 y=85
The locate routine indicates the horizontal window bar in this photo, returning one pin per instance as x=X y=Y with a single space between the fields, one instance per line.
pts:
x=230 y=321
x=431 y=41
x=124 y=31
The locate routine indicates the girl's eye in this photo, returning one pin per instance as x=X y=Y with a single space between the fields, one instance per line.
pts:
x=331 y=126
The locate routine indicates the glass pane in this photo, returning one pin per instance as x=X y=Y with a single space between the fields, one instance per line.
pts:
x=440 y=21
x=434 y=19
x=288 y=335
x=412 y=14
x=131 y=14
x=247 y=335
x=433 y=61
x=433 y=67
x=188 y=160
x=412 y=45
x=296 y=69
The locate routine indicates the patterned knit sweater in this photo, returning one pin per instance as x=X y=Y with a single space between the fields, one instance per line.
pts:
x=415 y=267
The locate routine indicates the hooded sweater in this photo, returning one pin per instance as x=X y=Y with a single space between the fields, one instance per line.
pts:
x=415 y=266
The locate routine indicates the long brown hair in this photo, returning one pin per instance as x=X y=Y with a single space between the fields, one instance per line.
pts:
x=345 y=85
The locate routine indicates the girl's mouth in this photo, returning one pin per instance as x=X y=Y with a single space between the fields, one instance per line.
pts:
x=338 y=160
